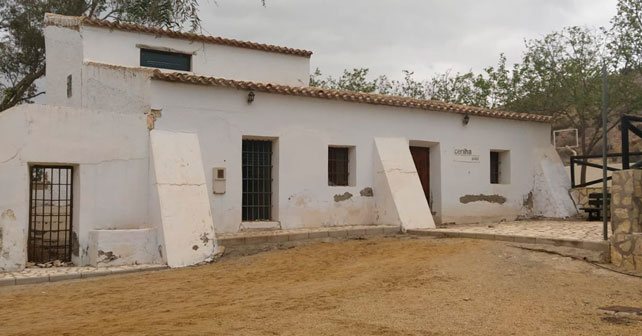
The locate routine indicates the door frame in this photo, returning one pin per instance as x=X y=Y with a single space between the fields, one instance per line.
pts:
x=435 y=172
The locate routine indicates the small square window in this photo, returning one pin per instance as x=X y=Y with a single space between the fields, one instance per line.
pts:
x=338 y=166
x=165 y=60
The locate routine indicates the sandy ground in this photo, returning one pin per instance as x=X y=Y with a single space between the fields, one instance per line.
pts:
x=379 y=286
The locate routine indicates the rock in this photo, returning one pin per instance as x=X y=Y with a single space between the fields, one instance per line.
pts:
x=30 y=264
x=57 y=263
x=41 y=265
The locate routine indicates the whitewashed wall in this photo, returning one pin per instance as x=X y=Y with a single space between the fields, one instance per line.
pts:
x=109 y=152
x=208 y=60
x=64 y=57
x=94 y=86
x=306 y=126
x=302 y=129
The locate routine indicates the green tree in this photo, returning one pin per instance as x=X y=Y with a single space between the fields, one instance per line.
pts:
x=459 y=88
x=562 y=77
x=22 y=46
x=627 y=30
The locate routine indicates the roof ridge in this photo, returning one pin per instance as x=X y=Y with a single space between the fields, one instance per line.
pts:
x=350 y=96
x=75 y=21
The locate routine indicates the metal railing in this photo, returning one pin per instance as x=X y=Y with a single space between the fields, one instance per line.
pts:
x=582 y=160
x=626 y=128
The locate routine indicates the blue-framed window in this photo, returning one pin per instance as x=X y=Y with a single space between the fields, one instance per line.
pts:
x=165 y=60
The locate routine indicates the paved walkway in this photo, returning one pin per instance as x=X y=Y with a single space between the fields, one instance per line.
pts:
x=38 y=275
x=589 y=231
x=580 y=234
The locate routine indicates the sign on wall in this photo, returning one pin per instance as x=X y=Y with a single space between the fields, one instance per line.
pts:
x=466 y=155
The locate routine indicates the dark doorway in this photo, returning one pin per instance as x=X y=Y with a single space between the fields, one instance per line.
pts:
x=257 y=180
x=50 y=209
x=421 y=157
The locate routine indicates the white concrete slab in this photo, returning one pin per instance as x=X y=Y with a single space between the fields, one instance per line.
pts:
x=186 y=222
x=551 y=197
x=399 y=194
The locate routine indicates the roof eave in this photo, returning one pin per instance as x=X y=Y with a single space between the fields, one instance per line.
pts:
x=348 y=96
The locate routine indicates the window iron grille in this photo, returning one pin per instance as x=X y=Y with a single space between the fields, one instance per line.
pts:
x=338 y=166
x=50 y=213
x=257 y=180
x=494 y=167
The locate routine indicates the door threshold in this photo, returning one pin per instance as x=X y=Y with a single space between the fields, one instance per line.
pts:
x=260 y=226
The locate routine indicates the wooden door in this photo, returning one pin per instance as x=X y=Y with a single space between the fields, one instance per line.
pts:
x=421 y=157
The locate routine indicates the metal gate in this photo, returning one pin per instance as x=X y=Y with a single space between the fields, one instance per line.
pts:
x=257 y=180
x=50 y=219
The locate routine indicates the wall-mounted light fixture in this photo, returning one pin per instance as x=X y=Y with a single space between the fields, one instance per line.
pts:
x=466 y=119
x=250 y=97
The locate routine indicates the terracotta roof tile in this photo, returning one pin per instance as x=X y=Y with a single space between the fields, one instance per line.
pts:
x=76 y=21
x=350 y=96
x=194 y=37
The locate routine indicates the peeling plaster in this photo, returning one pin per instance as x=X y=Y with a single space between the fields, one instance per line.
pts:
x=107 y=256
x=340 y=198
x=204 y=238
x=152 y=116
x=366 y=192
x=528 y=201
x=8 y=214
x=482 y=198
x=75 y=246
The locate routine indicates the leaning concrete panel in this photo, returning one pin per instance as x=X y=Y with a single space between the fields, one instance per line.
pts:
x=551 y=186
x=399 y=193
x=185 y=216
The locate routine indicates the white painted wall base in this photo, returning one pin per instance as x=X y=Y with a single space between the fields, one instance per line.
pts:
x=186 y=224
x=123 y=247
x=399 y=198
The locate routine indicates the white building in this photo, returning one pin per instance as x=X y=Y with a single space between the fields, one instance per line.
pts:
x=168 y=138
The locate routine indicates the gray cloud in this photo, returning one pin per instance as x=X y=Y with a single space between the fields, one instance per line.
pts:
x=388 y=36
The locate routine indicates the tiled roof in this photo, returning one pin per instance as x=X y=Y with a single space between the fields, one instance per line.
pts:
x=71 y=21
x=349 y=96
x=195 y=37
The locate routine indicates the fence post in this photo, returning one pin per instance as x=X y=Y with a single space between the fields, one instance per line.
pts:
x=572 y=171
x=624 y=129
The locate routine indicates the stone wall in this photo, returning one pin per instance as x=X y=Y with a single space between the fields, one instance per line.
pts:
x=626 y=220
x=580 y=195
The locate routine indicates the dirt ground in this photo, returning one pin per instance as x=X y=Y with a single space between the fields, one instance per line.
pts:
x=380 y=286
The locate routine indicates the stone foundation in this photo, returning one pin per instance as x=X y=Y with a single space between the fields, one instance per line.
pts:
x=626 y=220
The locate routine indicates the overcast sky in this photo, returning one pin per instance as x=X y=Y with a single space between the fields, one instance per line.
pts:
x=426 y=36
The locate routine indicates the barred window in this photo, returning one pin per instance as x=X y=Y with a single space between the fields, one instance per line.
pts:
x=494 y=167
x=338 y=166
x=500 y=167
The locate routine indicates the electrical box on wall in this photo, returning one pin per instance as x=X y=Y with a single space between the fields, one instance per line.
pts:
x=218 y=181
